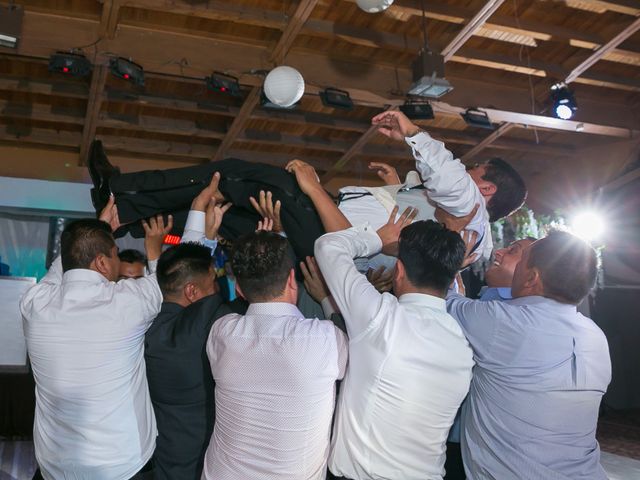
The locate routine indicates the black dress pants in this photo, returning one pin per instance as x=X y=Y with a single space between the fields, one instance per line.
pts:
x=143 y=194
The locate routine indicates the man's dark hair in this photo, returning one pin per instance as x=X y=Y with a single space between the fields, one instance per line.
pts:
x=511 y=192
x=431 y=254
x=82 y=241
x=132 y=256
x=568 y=266
x=179 y=264
x=261 y=263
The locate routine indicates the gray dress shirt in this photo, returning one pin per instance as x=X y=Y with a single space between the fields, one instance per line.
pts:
x=541 y=370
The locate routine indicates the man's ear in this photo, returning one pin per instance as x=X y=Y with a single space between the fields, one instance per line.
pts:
x=190 y=291
x=239 y=290
x=291 y=281
x=399 y=272
x=100 y=265
x=533 y=280
x=487 y=188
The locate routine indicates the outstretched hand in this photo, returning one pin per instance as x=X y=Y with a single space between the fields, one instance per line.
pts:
x=109 y=214
x=313 y=280
x=264 y=225
x=154 y=232
x=381 y=278
x=266 y=208
x=389 y=233
x=213 y=218
x=306 y=175
x=386 y=172
x=395 y=124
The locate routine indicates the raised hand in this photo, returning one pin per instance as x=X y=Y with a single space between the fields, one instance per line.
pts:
x=453 y=223
x=306 y=175
x=389 y=233
x=381 y=278
x=470 y=239
x=210 y=191
x=213 y=218
x=109 y=214
x=386 y=172
x=266 y=208
x=154 y=232
x=265 y=225
x=313 y=280
x=395 y=124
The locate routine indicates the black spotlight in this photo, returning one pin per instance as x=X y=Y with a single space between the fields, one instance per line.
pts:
x=477 y=118
x=417 y=110
x=127 y=70
x=332 y=97
x=219 y=82
x=564 y=103
x=70 y=64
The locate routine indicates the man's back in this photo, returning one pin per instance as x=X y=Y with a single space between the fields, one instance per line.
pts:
x=181 y=385
x=85 y=341
x=275 y=373
x=408 y=373
x=542 y=369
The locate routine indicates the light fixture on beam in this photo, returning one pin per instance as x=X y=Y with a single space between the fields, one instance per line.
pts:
x=428 y=76
x=374 y=6
x=10 y=25
x=127 y=70
x=283 y=86
x=219 y=82
x=332 y=97
x=417 y=110
x=268 y=104
x=477 y=118
x=564 y=103
x=71 y=64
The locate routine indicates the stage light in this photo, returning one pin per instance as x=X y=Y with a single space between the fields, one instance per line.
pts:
x=564 y=103
x=127 y=70
x=428 y=76
x=70 y=64
x=417 y=110
x=10 y=25
x=332 y=97
x=588 y=225
x=477 y=118
x=219 y=82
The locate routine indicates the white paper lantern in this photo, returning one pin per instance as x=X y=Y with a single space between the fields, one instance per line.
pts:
x=284 y=86
x=374 y=6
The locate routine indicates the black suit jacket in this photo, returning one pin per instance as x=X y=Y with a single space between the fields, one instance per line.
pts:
x=181 y=385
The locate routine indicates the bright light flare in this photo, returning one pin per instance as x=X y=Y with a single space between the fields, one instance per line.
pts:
x=588 y=225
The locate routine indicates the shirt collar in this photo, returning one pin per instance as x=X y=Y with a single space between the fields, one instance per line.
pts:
x=83 y=275
x=423 y=300
x=274 y=309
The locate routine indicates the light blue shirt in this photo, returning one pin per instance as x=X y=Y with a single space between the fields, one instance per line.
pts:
x=541 y=370
x=495 y=293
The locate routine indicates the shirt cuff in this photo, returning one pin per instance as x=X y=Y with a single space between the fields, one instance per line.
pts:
x=195 y=221
x=370 y=240
x=328 y=307
x=419 y=140
x=212 y=244
x=151 y=266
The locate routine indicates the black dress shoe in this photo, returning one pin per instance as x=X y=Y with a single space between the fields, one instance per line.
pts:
x=101 y=171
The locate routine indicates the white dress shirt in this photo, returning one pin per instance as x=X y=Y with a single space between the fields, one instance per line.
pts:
x=85 y=338
x=275 y=374
x=409 y=370
x=447 y=184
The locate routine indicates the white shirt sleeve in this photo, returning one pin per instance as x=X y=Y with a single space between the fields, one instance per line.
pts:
x=147 y=291
x=444 y=177
x=328 y=307
x=194 y=227
x=357 y=299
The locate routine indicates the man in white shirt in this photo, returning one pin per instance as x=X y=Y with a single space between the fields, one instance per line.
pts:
x=85 y=338
x=409 y=362
x=275 y=374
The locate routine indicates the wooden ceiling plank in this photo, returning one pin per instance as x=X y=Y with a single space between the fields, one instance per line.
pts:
x=299 y=17
x=603 y=50
x=109 y=18
x=471 y=28
x=96 y=94
x=497 y=133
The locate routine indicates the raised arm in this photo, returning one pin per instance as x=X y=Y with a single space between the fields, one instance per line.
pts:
x=357 y=299
x=444 y=177
x=331 y=217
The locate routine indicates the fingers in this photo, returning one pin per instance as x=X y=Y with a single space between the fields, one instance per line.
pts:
x=277 y=210
x=305 y=273
x=379 y=166
x=392 y=217
x=215 y=181
x=225 y=207
x=169 y=224
x=408 y=216
x=256 y=205
x=293 y=164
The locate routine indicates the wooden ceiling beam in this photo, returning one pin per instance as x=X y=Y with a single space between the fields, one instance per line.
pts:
x=109 y=18
x=299 y=17
x=497 y=133
x=603 y=50
x=471 y=28
x=96 y=94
